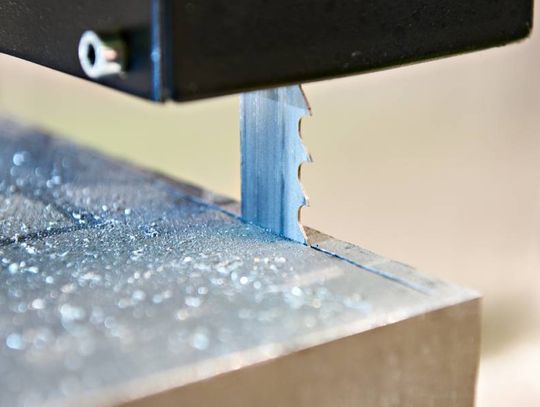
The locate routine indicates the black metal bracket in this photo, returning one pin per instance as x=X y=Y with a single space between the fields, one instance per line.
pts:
x=185 y=50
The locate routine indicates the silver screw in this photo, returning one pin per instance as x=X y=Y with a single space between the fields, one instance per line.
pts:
x=101 y=56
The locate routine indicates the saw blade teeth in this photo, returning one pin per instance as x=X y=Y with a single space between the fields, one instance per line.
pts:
x=306 y=158
x=272 y=155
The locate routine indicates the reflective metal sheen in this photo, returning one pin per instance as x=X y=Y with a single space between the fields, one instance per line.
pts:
x=118 y=285
x=272 y=153
x=101 y=57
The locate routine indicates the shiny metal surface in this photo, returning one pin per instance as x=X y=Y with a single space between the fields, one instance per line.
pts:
x=101 y=57
x=272 y=153
x=117 y=284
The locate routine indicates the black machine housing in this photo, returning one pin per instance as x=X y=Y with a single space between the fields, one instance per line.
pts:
x=192 y=49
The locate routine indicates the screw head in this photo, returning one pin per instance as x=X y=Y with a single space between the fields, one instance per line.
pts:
x=101 y=56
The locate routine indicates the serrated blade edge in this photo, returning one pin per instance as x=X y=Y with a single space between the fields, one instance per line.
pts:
x=272 y=153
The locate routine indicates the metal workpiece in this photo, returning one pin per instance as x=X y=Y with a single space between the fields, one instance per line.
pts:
x=272 y=153
x=186 y=50
x=120 y=286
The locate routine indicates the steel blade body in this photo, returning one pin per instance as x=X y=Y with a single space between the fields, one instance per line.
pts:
x=272 y=152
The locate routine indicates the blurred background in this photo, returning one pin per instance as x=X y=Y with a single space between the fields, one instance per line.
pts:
x=436 y=165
